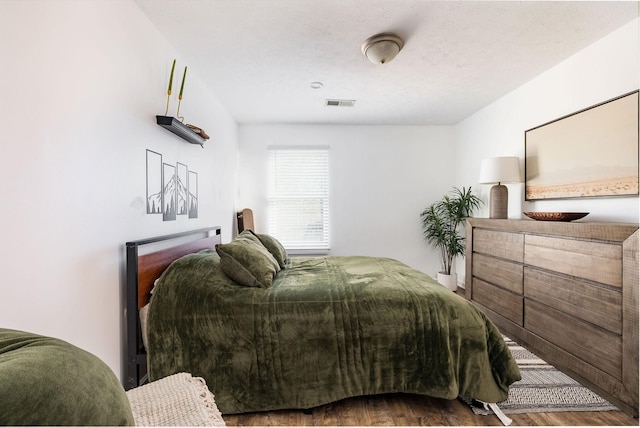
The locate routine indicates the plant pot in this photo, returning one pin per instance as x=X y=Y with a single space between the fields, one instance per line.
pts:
x=449 y=281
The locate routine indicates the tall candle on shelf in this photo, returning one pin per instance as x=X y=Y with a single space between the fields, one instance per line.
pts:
x=171 y=77
x=182 y=85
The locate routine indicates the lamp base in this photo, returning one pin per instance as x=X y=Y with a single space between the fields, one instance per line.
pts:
x=499 y=201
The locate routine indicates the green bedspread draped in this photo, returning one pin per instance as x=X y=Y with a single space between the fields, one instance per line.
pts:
x=328 y=328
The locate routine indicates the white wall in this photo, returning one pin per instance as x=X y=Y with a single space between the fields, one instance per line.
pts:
x=82 y=82
x=381 y=178
x=604 y=70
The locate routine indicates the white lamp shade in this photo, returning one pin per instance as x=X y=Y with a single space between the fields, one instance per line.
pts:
x=504 y=169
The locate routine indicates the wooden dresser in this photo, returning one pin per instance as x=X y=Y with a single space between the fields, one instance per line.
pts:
x=566 y=291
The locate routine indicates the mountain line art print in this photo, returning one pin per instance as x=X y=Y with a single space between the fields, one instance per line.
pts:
x=172 y=190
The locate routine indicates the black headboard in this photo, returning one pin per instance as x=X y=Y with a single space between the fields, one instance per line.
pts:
x=142 y=271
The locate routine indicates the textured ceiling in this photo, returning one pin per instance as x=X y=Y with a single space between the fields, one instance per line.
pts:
x=260 y=56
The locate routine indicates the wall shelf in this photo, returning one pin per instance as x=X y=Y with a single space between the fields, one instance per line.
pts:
x=180 y=129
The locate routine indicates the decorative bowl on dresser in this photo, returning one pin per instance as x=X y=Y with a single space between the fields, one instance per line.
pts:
x=555 y=216
x=566 y=291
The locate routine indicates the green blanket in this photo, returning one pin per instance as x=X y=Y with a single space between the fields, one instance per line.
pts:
x=326 y=329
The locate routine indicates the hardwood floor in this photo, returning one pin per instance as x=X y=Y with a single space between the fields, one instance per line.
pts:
x=416 y=410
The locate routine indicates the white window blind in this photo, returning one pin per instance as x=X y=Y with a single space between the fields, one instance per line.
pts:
x=299 y=197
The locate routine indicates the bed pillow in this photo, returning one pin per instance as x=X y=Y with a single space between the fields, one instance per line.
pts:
x=144 y=316
x=247 y=261
x=274 y=246
x=46 y=381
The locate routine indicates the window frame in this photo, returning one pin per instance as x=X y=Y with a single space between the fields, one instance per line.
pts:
x=281 y=195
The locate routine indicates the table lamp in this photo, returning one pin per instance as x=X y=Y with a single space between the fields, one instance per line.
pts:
x=496 y=171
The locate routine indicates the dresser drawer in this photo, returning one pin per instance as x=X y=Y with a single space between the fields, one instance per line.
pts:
x=596 y=261
x=585 y=341
x=507 y=304
x=583 y=300
x=506 y=245
x=578 y=305
x=499 y=272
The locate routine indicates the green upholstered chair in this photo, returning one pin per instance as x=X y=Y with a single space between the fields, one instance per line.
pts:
x=46 y=381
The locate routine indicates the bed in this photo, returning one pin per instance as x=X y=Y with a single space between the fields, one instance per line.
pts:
x=270 y=332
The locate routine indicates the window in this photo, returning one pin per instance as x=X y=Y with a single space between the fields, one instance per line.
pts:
x=299 y=197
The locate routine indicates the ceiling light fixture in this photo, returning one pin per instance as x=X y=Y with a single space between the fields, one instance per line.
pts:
x=316 y=85
x=382 y=48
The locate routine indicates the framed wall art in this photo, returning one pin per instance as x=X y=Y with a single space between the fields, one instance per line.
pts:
x=590 y=153
x=154 y=182
x=172 y=190
x=168 y=192
x=192 y=185
x=181 y=188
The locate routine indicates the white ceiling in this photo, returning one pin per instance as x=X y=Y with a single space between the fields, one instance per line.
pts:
x=260 y=56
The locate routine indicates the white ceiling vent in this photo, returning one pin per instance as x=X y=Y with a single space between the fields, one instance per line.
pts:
x=340 y=103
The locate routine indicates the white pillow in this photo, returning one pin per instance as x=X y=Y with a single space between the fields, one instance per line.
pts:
x=144 y=313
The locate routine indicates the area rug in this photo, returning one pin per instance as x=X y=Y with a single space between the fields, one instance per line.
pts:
x=543 y=388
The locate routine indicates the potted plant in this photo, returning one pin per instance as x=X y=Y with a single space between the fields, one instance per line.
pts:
x=441 y=222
